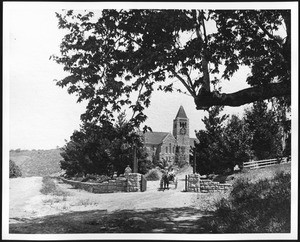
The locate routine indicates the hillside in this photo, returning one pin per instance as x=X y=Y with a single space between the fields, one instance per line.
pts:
x=255 y=174
x=37 y=162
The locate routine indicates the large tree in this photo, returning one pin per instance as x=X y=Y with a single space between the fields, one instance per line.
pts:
x=104 y=149
x=211 y=151
x=264 y=128
x=112 y=53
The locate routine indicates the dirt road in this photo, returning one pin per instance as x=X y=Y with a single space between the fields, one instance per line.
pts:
x=168 y=210
x=22 y=192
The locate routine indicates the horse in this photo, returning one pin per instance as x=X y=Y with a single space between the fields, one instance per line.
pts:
x=165 y=180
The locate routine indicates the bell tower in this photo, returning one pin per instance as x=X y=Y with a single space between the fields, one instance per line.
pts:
x=181 y=134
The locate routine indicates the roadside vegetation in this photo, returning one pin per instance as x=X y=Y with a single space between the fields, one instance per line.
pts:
x=260 y=206
x=153 y=175
x=14 y=170
x=50 y=188
x=226 y=142
x=37 y=162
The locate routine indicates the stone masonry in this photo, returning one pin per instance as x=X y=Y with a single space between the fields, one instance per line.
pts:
x=130 y=183
x=195 y=184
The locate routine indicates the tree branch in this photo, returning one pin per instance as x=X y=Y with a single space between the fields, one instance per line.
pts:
x=190 y=83
x=190 y=90
x=259 y=24
x=206 y=80
x=204 y=100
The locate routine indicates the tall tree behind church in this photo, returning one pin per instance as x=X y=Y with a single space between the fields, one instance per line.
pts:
x=264 y=128
x=209 y=150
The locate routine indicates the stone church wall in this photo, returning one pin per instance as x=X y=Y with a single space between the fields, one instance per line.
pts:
x=170 y=155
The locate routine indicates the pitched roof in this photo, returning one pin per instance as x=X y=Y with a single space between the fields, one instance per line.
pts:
x=181 y=113
x=154 y=138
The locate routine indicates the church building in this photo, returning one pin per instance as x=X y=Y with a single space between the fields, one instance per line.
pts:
x=172 y=148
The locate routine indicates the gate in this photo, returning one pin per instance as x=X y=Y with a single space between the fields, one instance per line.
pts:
x=143 y=184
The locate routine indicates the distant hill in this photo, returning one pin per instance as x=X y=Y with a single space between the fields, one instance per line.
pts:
x=37 y=162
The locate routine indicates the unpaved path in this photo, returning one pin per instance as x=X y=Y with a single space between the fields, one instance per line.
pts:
x=22 y=191
x=174 y=207
x=27 y=201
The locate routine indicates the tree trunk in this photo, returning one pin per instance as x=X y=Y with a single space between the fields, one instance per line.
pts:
x=135 y=163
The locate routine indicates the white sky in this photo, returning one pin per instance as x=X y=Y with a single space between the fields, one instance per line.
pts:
x=41 y=114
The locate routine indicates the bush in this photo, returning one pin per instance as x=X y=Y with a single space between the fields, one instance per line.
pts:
x=144 y=166
x=95 y=178
x=261 y=207
x=14 y=170
x=49 y=188
x=153 y=175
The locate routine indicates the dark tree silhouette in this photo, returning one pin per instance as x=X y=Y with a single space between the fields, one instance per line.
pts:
x=112 y=53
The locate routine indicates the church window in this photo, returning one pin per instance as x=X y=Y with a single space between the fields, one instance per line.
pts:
x=166 y=149
x=182 y=124
x=170 y=148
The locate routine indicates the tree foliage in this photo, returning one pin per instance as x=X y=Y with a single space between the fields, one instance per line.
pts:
x=211 y=154
x=237 y=141
x=227 y=142
x=264 y=129
x=14 y=170
x=110 y=54
x=261 y=207
x=102 y=149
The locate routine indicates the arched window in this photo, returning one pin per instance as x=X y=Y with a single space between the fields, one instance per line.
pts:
x=170 y=148
x=166 y=149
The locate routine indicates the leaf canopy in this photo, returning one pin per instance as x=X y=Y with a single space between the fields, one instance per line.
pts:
x=111 y=54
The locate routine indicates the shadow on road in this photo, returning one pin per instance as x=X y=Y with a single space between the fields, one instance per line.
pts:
x=171 y=220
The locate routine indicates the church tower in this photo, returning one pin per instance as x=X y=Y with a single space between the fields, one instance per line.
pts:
x=181 y=133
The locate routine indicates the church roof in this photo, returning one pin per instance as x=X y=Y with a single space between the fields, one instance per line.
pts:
x=154 y=138
x=181 y=113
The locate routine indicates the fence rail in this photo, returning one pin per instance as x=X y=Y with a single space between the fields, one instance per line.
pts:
x=260 y=163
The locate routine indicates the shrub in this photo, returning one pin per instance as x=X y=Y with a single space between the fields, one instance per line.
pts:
x=49 y=188
x=14 y=170
x=153 y=175
x=95 y=178
x=261 y=207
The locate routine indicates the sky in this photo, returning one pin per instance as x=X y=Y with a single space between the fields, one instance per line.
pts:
x=42 y=115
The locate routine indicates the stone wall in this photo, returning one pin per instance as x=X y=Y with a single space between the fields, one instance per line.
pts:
x=195 y=184
x=130 y=183
x=169 y=145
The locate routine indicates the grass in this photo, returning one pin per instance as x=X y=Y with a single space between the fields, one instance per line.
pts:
x=256 y=205
x=37 y=162
x=255 y=174
x=85 y=202
x=208 y=201
x=50 y=188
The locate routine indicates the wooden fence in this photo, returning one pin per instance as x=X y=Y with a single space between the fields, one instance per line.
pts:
x=260 y=163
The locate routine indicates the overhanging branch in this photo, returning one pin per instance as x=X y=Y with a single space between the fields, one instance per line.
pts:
x=204 y=99
x=190 y=90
